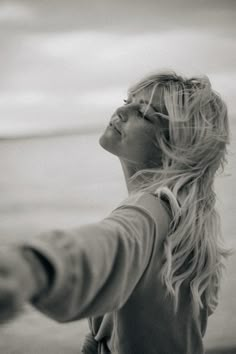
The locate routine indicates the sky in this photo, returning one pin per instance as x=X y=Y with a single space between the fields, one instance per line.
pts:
x=67 y=64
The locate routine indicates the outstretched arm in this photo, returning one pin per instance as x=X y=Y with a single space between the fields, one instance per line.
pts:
x=93 y=270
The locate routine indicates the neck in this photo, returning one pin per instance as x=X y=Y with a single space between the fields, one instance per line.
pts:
x=129 y=169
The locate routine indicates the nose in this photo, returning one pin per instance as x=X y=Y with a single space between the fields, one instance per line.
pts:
x=121 y=114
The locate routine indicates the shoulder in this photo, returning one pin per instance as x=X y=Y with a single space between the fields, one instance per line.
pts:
x=152 y=205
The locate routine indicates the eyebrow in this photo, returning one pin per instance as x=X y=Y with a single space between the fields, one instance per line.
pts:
x=149 y=105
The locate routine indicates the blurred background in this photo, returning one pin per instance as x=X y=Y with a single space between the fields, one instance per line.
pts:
x=65 y=65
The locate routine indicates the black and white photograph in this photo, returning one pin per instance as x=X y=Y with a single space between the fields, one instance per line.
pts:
x=118 y=176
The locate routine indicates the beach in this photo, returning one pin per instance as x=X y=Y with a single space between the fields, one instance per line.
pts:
x=67 y=181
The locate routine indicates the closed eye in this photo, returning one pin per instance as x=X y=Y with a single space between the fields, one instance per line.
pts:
x=139 y=108
x=146 y=118
x=141 y=114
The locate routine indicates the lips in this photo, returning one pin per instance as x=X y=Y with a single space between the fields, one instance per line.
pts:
x=115 y=126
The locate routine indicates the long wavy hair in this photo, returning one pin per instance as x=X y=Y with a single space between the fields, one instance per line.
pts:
x=192 y=135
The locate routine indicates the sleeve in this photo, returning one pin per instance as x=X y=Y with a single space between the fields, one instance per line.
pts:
x=96 y=267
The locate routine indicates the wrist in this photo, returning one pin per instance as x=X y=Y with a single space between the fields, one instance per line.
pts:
x=39 y=280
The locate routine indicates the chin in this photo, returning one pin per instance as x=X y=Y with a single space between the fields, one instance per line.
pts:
x=108 y=144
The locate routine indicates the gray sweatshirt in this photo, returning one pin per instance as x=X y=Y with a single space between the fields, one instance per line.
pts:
x=109 y=272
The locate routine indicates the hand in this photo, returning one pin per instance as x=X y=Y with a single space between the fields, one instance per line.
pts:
x=17 y=283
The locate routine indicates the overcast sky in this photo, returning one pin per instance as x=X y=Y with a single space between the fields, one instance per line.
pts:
x=68 y=64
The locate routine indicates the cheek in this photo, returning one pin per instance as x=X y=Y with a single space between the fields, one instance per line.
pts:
x=141 y=145
x=149 y=146
x=142 y=139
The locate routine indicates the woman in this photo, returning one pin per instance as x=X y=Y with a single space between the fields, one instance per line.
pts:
x=148 y=275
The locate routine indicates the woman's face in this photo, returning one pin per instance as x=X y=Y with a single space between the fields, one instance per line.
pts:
x=130 y=134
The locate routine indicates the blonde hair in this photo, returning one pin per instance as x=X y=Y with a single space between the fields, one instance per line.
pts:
x=192 y=134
